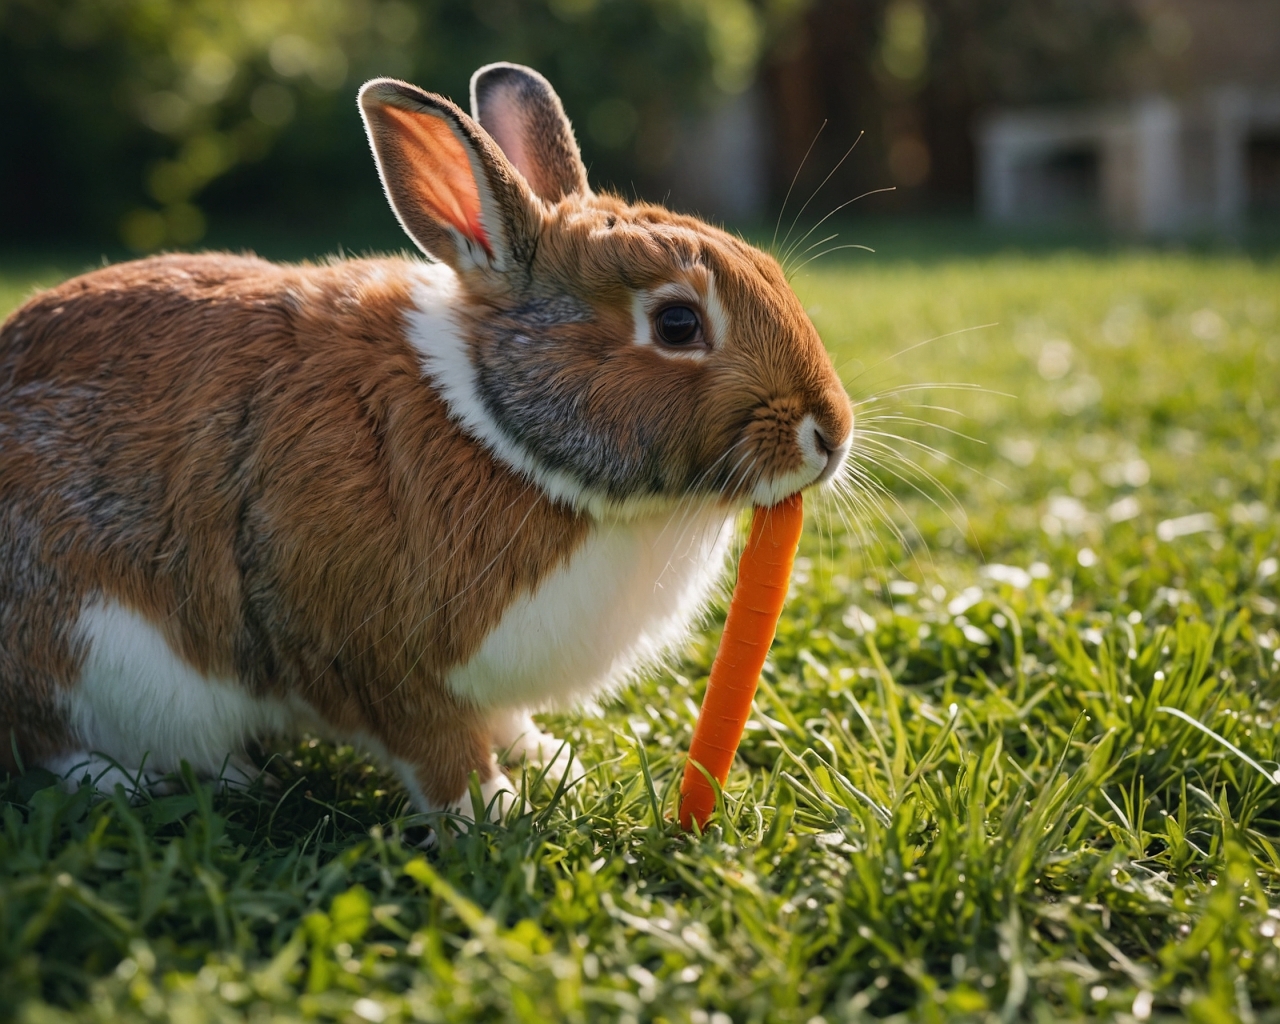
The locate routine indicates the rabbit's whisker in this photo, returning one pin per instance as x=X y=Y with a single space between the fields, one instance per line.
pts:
x=928 y=449
x=821 y=241
x=799 y=242
x=847 y=202
x=889 y=457
x=928 y=341
x=904 y=389
x=898 y=418
x=827 y=252
x=820 y=187
x=794 y=178
x=876 y=493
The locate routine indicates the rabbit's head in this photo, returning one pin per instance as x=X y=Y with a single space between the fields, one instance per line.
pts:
x=624 y=356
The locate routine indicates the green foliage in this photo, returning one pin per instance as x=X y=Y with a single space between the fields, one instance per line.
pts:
x=144 y=103
x=974 y=787
x=1049 y=52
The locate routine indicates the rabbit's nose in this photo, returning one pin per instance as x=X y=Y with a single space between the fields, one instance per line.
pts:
x=833 y=421
x=835 y=453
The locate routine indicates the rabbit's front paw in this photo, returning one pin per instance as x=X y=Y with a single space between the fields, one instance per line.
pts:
x=497 y=796
x=517 y=738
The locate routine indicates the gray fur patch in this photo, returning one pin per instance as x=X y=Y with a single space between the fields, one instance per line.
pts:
x=543 y=404
x=550 y=312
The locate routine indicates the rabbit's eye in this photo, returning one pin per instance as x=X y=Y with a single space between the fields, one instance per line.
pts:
x=677 y=325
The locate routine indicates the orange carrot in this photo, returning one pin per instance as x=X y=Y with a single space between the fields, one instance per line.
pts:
x=763 y=574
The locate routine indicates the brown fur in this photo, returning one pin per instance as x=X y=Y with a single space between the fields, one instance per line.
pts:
x=246 y=454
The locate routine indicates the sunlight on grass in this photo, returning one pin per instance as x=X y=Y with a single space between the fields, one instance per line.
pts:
x=963 y=794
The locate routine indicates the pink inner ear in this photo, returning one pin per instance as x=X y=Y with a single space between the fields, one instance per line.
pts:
x=439 y=171
x=503 y=124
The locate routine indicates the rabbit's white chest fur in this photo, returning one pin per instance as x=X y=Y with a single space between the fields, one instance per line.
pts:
x=625 y=597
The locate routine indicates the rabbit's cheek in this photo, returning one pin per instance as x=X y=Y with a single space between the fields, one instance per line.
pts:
x=526 y=396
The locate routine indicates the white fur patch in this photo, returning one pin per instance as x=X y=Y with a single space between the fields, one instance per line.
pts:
x=141 y=705
x=139 y=710
x=497 y=797
x=517 y=738
x=718 y=329
x=626 y=596
x=103 y=773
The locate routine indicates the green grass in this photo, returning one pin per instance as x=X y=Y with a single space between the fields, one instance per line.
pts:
x=973 y=789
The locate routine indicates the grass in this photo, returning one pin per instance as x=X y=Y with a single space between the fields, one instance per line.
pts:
x=1013 y=756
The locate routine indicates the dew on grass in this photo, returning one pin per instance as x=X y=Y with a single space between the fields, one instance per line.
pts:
x=1186 y=526
x=1124 y=509
x=1014 y=576
x=1054 y=361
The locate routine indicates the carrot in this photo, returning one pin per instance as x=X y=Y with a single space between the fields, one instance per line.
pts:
x=763 y=574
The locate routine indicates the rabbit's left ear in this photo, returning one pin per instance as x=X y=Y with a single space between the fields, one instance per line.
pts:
x=451 y=187
x=523 y=114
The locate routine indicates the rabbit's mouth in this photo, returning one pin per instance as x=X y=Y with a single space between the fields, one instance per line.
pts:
x=792 y=450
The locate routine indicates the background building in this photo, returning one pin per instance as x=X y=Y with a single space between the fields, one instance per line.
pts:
x=1154 y=166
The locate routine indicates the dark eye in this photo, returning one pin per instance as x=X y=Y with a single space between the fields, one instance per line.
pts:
x=677 y=325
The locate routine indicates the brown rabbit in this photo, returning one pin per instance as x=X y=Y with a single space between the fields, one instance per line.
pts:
x=399 y=502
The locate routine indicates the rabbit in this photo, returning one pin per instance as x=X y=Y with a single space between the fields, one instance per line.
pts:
x=400 y=502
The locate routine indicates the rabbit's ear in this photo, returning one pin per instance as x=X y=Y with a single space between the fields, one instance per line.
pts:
x=518 y=107
x=450 y=186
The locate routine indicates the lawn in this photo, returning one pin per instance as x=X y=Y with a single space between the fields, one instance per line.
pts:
x=1014 y=755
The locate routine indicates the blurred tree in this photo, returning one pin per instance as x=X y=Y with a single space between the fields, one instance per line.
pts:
x=914 y=74
x=143 y=117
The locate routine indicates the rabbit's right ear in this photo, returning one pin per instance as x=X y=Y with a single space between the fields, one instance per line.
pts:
x=451 y=187
x=523 y=114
